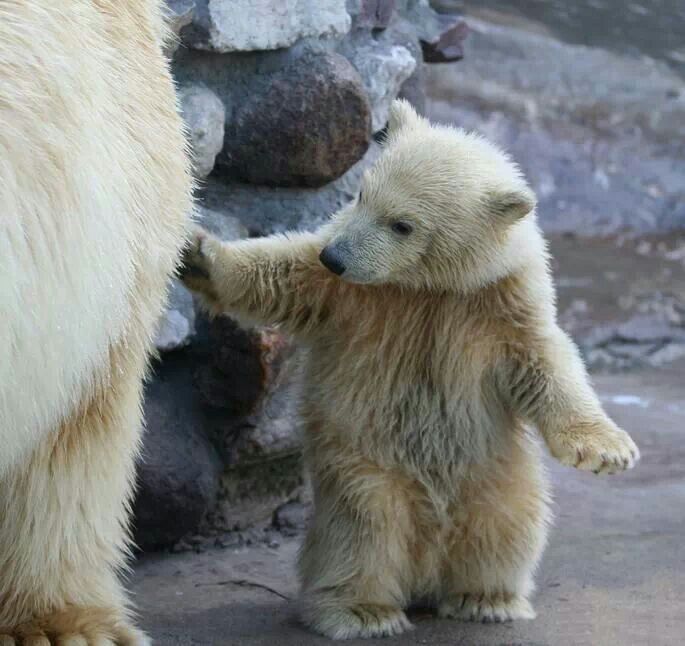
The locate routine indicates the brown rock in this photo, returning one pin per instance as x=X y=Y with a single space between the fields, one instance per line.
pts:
x=304 y=126
x=232 y=379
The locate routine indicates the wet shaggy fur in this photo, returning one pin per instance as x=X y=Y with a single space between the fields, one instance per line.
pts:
x=94 y=198
x=430 y=360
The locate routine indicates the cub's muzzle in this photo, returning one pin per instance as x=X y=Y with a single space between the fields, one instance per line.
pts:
x=331 y=259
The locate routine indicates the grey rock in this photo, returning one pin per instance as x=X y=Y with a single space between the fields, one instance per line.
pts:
x=223 y=226
x=402 y=32
x=178 y=477
x=292 y=516
x=645 y=339
x=176 y=326
x=249 y=25
x=441 y=35
x=204 y=115
x=228 y=376
x=179 y=14
x=414 y=89
x=667 y=354
x=371 y=14
x=174 y=331
x=383 y=67
x=264 y=210
x=304 y=127
x=649 y=329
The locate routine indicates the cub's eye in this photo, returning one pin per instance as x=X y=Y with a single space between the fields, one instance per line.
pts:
x=401 y=228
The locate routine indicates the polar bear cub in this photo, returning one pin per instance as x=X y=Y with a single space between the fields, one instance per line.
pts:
x=426 y=308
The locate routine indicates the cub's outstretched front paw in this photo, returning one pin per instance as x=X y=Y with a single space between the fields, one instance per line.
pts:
x=601 y=448
x=75 y=627
x=196 y=263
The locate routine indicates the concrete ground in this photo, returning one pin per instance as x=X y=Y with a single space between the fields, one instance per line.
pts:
x=614 y=571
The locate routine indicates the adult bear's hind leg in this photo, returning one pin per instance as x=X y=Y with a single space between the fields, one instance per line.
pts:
x=63 y=522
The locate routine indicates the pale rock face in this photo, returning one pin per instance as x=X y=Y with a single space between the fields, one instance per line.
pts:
x=248 y=25
x=383 y=68
x=204 y=115
x=177 y=325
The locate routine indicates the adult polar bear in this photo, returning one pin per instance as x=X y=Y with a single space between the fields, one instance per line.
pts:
x=94 y=192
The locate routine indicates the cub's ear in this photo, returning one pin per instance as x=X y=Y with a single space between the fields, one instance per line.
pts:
x=401 y=116
x=510 y=206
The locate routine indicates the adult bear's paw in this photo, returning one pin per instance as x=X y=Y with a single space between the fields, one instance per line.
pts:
x=76 y=626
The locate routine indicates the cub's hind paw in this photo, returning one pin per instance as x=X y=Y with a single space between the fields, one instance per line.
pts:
x=486 y=609
x=363 y=620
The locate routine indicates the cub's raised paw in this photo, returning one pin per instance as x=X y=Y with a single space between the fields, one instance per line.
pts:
x=485 y=608
x=598 y=448
x=360 y=620
x=76 y=627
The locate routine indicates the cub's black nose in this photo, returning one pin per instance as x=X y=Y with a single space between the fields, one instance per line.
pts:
x=330 y=259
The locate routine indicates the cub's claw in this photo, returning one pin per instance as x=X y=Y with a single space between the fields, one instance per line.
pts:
x=598 y=449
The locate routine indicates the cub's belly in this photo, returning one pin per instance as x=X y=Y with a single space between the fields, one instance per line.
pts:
x=420 y=428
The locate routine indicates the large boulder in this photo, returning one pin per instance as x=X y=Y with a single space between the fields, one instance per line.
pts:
x=179 y=472
x=204 y=116
x=305 y=126
x=249 y=25
x=261 y=450
x=222 y=447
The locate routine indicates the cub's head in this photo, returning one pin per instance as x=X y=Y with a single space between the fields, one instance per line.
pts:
x=438 y=210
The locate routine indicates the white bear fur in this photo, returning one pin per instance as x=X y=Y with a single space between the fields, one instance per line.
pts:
x=94 y=198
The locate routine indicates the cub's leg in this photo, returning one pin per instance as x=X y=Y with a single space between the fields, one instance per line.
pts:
x=500 y=531
x=355 y=565
x=547 y=384
x=63 y=518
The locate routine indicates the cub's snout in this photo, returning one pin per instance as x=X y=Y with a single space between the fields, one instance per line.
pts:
x=331 y=259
